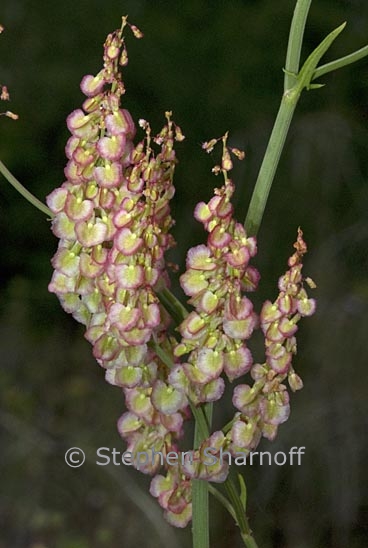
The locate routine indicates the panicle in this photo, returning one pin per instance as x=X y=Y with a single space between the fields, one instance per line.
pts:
x=218 y=274
x=265 y=405
x=112 y=217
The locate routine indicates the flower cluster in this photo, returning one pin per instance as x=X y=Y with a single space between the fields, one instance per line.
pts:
x=173 y=493
x=265 y=405
x=214 y=335
x=112 y=217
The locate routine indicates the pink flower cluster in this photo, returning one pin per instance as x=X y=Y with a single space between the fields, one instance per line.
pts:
x=173 y=493
x=112 y=217
x=265 y=405
x=214 y=335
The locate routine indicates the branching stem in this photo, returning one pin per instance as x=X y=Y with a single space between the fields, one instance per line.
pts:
x=24 y=192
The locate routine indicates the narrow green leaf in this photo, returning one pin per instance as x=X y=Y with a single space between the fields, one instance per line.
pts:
x=305 y=75
x=340 y=63
x=222 y=499
x=315 y=86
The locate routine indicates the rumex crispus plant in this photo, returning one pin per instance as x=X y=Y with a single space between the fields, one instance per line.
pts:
x=112 y=217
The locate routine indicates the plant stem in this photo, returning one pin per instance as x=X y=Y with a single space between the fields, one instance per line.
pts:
x=289 y=101
x=295 y=42
x=200 y=516
x=269 y=165
x=249 y=541
x=200 y=512
x=282 y=122
x=177 y=311
x=200 y=420
x=24 y=192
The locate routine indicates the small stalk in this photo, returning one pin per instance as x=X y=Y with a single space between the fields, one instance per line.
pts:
x=24 y=192
x=177 y=311
x=200 y=511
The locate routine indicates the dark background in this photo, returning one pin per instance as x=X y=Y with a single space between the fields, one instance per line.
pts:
x=217 y=65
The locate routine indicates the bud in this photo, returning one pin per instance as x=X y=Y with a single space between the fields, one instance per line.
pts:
x=208 y=145
x=4 y=94
x=11 y=115
x=311 y=283
x=124 y=57
x=295 y=382
x=240 y=154
x=135 y=30
x=227 y=164
x=178 y=134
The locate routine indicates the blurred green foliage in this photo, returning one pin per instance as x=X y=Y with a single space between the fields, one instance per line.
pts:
x=217 y=65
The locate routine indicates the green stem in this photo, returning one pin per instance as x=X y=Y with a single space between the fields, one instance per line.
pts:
x=270 y=162
x=164 y=357
x=24 y=192
x=282 y=122
x=235 y=505
x=249 y=541
x=276 y=143
x=339 y=63
x=177 y=311
x=200 y=511
x=200 y=489
x=200 y=420
x=295 y=42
